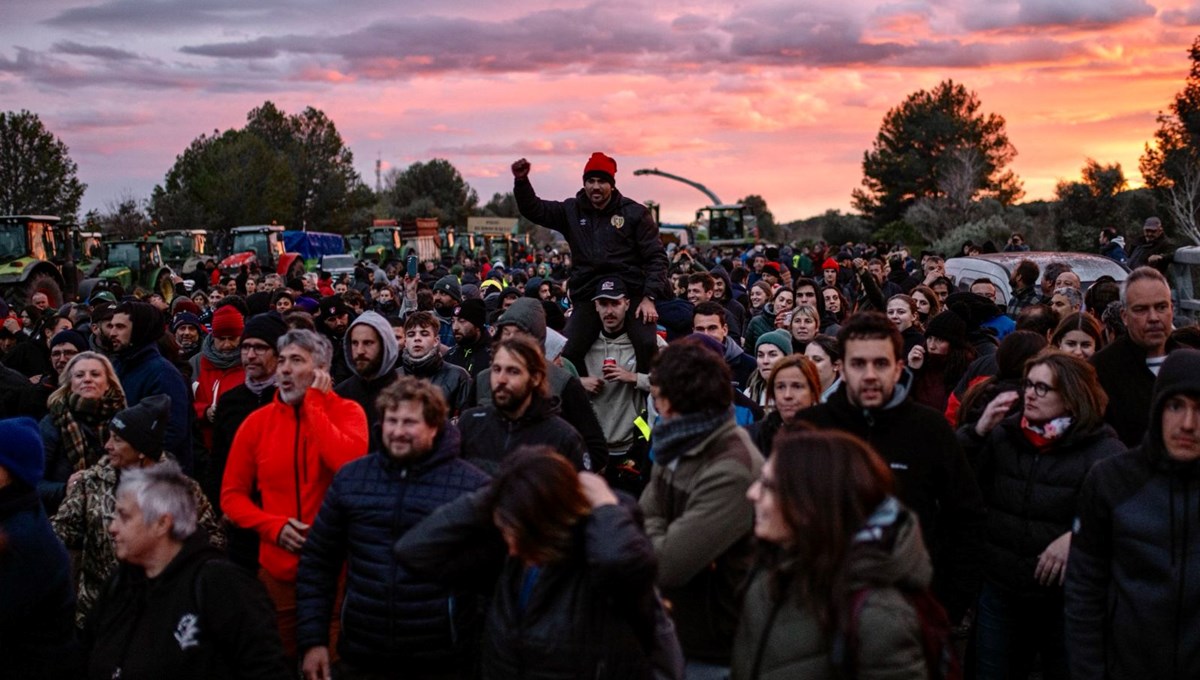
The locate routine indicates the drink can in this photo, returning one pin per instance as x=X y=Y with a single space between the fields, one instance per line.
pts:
x=609 y=361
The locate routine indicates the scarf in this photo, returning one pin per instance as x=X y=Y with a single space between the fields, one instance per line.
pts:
x=257 y=387
x=1046 y=434
x=76 y=417
x=675 y=436
x=425 y=366
x=220 y=360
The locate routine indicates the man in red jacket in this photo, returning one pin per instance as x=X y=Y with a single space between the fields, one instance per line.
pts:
x=289 y=451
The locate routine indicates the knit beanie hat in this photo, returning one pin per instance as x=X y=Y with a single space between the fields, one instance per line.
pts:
x=528 y=315
x=333 y=306
x=267 y=327
x=601 y=166
x=472 y=311
x=183 y=304
x=449 y=285
x=829 y=263
x=144 y=425
x=308 y=304
x=189 y=319
x=948 y=326
x=228 y=322
x=23 y=454
x=69 y=337
x=777 y=337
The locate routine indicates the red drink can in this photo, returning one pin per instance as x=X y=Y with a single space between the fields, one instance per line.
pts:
x=610 y=362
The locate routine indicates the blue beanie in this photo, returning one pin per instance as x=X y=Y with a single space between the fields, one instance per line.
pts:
x=22 y=453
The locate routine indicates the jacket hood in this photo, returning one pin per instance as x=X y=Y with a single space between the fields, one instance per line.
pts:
x=889 y=551
x=720 y=273
x=1180 y=373
x=391 y=348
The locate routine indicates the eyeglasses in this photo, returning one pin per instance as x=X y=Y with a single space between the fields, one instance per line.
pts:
x=257 y=349
x=1039 y=388
x=63 y=353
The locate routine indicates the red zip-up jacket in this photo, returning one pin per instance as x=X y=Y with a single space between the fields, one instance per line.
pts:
x=289 y=455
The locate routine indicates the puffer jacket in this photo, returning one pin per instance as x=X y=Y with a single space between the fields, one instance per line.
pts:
x=390 y=618
x=583 y=617
x=488 y=437
x=1132 y=594
x=778 y=639
x=82 y=524
x=1031 y=496
x=287 y=456
x=454 y=381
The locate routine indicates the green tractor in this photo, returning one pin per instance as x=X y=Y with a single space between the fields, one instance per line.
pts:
x=33 y=253
x=381 y=243
x=89 y=252
x=184 y=249
x=130 y=263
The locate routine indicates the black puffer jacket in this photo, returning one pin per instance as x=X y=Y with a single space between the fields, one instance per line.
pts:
x=1031 y=497
x=488 y=436
x=621 y=240
x=584 y=617
x=454 y=381
x=1133 y=576
x=391 y=618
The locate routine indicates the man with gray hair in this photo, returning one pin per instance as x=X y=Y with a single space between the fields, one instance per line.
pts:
x=176 y=608
x=286 y=454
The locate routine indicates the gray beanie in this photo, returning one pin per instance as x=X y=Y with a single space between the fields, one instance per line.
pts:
x=528 y=315
x=449 y=285
x=777 y=337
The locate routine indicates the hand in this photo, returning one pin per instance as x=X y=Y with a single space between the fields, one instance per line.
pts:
x=646 y=311
x=1052 y=563
x=322 y=381
x=13 y=324
x=35 y=379
x=73 y=480
x=916 y=357
x=1154 y=259
x=618 y=374
x=592 y=385
x=316 y=664
x=211 y=413
x=520 y=169
x=783 y=320
x=596 y=490
x=292 y=535
x=410 y=287
x=860 y=264
x=995 y=412
x=933 y=275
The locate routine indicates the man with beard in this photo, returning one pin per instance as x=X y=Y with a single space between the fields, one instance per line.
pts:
x=472 y=344
x=372 y=353
x=608 y=234
x=391 y=619
x=333 y=320
x=217 y=368
x=422 y=358
x=189 y=331
x=1155 y=250
x=1128 y=365
x=133 y=335
x=522 y=412
x=447 y=294
x=617 y=389
x=283 y=458
x=259 y=357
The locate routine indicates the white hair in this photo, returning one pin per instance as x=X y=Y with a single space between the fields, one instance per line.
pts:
x=310 y=341
x=162 y=490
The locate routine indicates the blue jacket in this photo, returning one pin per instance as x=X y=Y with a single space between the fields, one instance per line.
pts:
x=391 y=618
x=37 y=600
x=144 y=371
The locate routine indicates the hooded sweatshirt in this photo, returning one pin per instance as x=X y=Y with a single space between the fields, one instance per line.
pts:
x=619 y=404
x=364 y=388
x=1132 y=597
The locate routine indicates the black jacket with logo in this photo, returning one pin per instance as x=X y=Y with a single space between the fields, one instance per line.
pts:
x=620 y=240
x=488 y=437
x=202 y=618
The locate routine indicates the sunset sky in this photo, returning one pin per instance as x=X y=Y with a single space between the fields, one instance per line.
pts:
x=778 y=98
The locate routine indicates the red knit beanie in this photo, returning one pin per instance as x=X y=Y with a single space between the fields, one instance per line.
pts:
x=601 y=166
x=228 y=322
x=830 y=263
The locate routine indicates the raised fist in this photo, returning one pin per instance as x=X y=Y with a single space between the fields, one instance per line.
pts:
x=520 y=169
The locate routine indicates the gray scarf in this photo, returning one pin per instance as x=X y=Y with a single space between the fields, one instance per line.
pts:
x=673 y=437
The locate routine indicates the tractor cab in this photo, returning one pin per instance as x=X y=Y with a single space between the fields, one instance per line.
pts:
x=727 y=224
x=32 y=252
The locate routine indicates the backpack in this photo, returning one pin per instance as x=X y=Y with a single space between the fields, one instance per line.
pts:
x=941 y=659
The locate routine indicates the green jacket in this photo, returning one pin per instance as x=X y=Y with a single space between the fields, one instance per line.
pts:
x=701 y=525
x=778 y=639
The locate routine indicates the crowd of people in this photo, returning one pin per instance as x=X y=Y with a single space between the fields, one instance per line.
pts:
x=617 y=461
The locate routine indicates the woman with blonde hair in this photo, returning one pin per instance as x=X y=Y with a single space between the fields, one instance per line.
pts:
x=75 y=430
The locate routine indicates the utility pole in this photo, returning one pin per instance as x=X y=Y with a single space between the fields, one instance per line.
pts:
x=378 y=175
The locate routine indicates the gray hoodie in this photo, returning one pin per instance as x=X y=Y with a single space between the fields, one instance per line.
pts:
x=363 y=389
x=391 y=348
